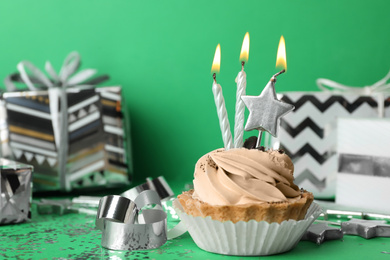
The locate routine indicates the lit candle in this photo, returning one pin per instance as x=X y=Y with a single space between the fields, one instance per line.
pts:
x=266 y=110
x=220 y=102
x=241 y=89
x=281 y=61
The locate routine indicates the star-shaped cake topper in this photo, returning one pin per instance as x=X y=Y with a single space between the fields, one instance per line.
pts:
x=266 y=110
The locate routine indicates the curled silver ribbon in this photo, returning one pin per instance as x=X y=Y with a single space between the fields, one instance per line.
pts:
x=125 y=225
x=159 y=184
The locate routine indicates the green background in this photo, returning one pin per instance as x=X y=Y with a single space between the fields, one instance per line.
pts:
x=161 y=53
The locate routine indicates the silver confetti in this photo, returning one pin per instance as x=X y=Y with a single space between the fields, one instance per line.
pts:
x=319 y=233
x=366 y=228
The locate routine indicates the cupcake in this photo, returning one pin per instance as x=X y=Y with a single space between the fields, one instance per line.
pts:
x=245 y=202
x=244 y=184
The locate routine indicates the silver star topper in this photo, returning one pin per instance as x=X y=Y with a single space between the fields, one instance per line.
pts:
x=265 y=110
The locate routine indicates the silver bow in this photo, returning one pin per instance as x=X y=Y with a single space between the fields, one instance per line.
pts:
x=125 y=228
x=66 y=78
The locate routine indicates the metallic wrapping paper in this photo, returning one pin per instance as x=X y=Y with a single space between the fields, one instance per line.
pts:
x=129 y=225
x=15 y=190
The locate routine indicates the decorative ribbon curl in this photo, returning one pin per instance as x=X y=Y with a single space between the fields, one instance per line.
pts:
x=378 y=89
x=165 y=193
x=56 y=88
x=124 y=229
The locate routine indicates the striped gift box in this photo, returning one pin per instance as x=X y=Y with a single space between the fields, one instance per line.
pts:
x=309 y=134
x=116 y=127
x=96 y=151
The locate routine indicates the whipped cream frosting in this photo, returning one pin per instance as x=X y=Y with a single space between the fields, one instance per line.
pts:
x=241 y=176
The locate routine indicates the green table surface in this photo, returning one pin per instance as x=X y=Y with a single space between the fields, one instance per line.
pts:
x=73 y=236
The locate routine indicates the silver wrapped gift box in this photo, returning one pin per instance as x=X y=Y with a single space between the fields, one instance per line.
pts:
x=16 y=191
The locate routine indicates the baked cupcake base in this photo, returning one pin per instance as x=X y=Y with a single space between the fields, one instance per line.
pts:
x=246 y=237
x=270 y=212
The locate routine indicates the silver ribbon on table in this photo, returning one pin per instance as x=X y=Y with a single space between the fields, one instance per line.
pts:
x=377 y=90
x=164 y=191
x=159 y=184
x=56 y=87
x=127 y=225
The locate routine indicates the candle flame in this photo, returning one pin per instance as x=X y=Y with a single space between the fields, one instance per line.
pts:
x=281 y=61
x=244 y=56
x=217 y=60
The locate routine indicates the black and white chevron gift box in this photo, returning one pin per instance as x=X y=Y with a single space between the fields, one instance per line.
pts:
x=71 y=132
x=309 y=134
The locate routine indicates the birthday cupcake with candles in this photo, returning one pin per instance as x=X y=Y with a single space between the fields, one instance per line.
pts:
x=244 y=200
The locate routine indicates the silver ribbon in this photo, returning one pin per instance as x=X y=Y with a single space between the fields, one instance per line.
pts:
x=125 y=225
x=164 y=191
x=158 y=184
x=378 y=89
x=57 y=93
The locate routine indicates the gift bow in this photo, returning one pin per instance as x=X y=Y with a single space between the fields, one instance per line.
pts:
x=378 y=89
x=57 y=92
x=67 y=77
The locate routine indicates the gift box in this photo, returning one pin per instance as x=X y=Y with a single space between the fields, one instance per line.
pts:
x=75 y=135
x=363 y=179
x=15 y=189
x=4 y=148
x=309 y=134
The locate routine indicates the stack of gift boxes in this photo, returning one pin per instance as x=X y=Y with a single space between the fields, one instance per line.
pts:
x=93 y=149
x=316 y=133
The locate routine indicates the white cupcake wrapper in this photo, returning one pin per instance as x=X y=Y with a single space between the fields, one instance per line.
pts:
x=246 y=238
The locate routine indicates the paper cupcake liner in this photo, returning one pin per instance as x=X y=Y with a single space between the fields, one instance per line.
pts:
x=246 y=238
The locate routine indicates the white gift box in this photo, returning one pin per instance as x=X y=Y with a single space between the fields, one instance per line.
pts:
x=309 y=134
x=363 y=179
